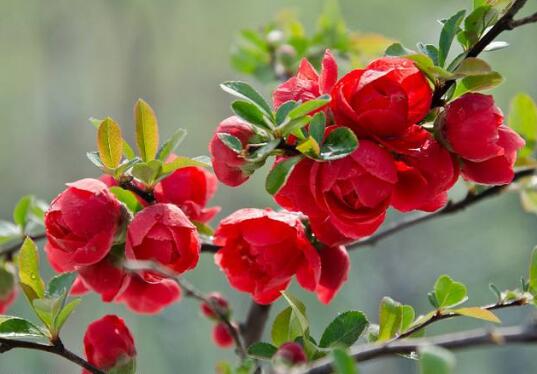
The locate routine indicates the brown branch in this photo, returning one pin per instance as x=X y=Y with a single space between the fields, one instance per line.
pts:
x=467 y=339
x=10 y=251
x=440 y=315
x=129 y=185
x=470 y=200
x=506 y=22
x=191 y=291
x=57 y=349
x=252 y=328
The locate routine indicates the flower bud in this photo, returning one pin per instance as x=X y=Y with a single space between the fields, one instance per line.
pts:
x=219 y=302
x=222 y=336
x=289 y=355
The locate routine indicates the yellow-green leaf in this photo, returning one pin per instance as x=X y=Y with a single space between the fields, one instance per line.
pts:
x=109 y=143
x=28 y=263
x=146 y=130
x=390 y=318
x=479 y=313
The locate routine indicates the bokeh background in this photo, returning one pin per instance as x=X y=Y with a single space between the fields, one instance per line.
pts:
x=62 y=62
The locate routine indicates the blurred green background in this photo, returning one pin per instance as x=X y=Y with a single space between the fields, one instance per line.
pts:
x=64 y=61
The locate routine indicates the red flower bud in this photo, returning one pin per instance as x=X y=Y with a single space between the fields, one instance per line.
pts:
x=384 y=99
x=307 y=84
x=290 y=354
x=190 y=189
x=82 y=222
x=217 y=299
x=230 y=168
x=262 y=250
x=473 y=128
x=149 y=298
x=222 y=336
x=8 y=291
x=163 y=233
x=109 y=344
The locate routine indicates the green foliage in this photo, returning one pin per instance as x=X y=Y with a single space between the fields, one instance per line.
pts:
x=29 y=276
x=390 y=318
x=262 y=351
x=248 y=93
x=127 y=198
x=344 y=330
x=523 y=119
x=448 y=33
x=16 y=328
x=230 y=141
x=343 y=363
x=146 y=130
x=449 y=293
x=291 y=323
x=169 y=146
x=280 y=172
x=109 y=143
x=436 y=360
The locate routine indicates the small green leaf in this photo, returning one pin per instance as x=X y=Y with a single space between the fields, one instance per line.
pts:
x=397 y=49
x=407 y=317
x=230 y=141
x=128 y=152
x=473 y=66
x=22 y=210
x=121 y=367
x=9 y=232
x=294 y=125
x=449 y=292
x=247 y=92
x=15 y=327
x=448 y=33
x=183 y=162
x=523 y=119
x=250 y=113
x=262 y=351
x=478 y=83
x=344 y=330
x=343 y=363
x=299 y=311
x=46 y=309
x=285 y=327
x=436 y=360
x=203 y=228
x=309 y=147
x=28 y=263
x=64 y=314
x=95 y=121
x=430 y=50
x=479 y=313
x=147 y=172
x=126 y=166
x=390 y=318
x=96 y=160
x=284 y=110
x=317 y=127
x=263 y=151
x=7 y=282
x=340 y=143
x=60 y=284
x=109 y=143
x=532 y=281
x=169 y=146
x=280 y=172
x=146 y=130
x=308 y=107
x=126 y=197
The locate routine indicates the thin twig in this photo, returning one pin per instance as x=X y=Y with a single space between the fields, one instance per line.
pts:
x=191 y=291
x=440 y=315
x=467 y=339
x=524 y=21
x=129 y=185
x=58 y=349
x=252 y=328
x=469 y=200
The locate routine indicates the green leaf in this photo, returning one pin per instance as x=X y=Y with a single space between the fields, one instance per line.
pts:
x=397 y=49
x=343 y=363
x=448 y=292
x=473 y=66
x=64 y=314
x=203 y=228
x=523 y=119
x=15 y=327
x=262 y=351
x=147 y=172
x=299 y=310
x=146 y=130
x=284 y=110
x=476 y=23
x=264 y=151
x=344 y=330
x=390 y=318
x=308 y=107
x=169 y=146
x=407 y=317
x=109 y=143
x=250 y=113
x=317 y=127
x=7 y=282
x=183 y=162
x=96 y=160
x=22 y=210
x=436 y=360
x=128 y=152
x=47 y=309
x=495 y=46
x=479 y=313
x=280 y=172
x=121 y=367
x=126 y=197
x=478 y=83
x=9 y=232
x=285 y=327
x=309 y=147
x=95 y=122
x=60 y=284
x=126 y=166
x=247 y=92
x=340 y=143
x=430 y=50
x=29 y=277
x=230 y=141
x=448 y=33
x=532 y=281
x=294 y=125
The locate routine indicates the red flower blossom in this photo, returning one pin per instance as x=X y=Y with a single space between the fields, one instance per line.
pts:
x=149 y=298
x=335 y=266
x=82 y=222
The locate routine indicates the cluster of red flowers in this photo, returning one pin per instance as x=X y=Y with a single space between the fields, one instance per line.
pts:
x=399 y=163
x=91 y=232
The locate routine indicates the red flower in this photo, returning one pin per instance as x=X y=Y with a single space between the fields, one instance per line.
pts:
x=424 y=178
x=190 y=189
x=473 y=128
x=344 y=199
x=78 y=288
x=217 y=299
x=221 y=335
x=290 y=354
x=82 y=221
x=335 y=265
x=7 y=299
x=109 y=344
x=230 y=167
x=307 y=84
x=106 y=278
x=163 y=233
x=149 y=298
x=262 y=250
x=383 y=100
